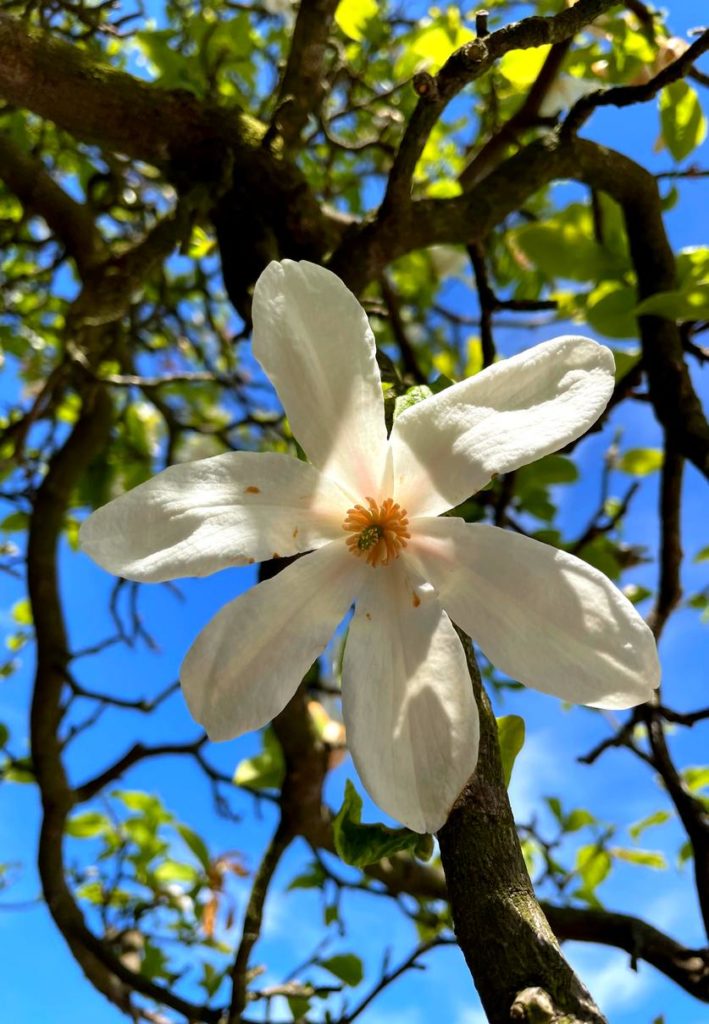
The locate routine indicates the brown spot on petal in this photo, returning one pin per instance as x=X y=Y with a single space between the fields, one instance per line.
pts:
x=415 y=600
x=295 y=531
x=250 y=561
x=368 y=616
x=253 y=490
x=275 y=555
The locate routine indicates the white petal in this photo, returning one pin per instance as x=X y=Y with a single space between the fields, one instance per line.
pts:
x=244 y=666
x=312 y=338
x=408 y=703
x=450 y=445
x=541 y=615
x=198 y=517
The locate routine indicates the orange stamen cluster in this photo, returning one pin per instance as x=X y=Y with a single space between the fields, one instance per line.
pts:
x=380 y=531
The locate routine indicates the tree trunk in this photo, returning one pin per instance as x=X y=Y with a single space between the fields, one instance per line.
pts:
x=513 y=956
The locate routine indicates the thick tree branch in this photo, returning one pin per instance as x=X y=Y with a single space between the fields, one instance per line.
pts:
x=101 y=105
x=470 y=217
x=526 y=116
x=669 y=591
x=689 y=968
x=496 y=915
x=464 y=66
x=303 y=84
x=70 y=221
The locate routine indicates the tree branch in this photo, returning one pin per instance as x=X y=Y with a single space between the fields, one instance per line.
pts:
x=465 y=65
x=496 y=914
x=625 y=95
x=253 y=918
x=110 y=108
x=689 y=968
x=303 y=85
x=69 y=220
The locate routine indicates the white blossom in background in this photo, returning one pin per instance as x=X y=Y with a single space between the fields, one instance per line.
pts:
x=366 y=510
x=564 y=92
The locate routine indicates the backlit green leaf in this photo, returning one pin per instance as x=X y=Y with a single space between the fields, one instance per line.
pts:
x=347 y=967
x=352 y=16
x=359 y=844
x=640 y=461
x=510 y=734
x=647 y=858
x=265 y=770
x=683 y=124
x=87 y=825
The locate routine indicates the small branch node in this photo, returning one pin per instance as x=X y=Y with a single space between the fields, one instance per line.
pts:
x=425 y=86
x=481 y=29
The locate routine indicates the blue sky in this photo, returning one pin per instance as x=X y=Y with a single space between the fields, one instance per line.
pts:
x=43 y=984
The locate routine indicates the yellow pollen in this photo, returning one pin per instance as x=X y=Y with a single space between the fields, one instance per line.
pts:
x=379 y=532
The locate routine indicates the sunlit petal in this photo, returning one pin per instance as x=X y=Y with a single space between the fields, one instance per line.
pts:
x=451 y=444
x=313 y=340
x=198 y=517
x=246 y=664
x=410 y=713
x=542 y=616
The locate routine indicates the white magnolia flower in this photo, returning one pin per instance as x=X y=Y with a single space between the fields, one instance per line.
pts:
x=365 y=509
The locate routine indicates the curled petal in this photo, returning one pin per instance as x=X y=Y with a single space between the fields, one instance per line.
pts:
x=408 y=703
x=198 y=517
x=540 y=615
x=246 y=664
x=451 y=444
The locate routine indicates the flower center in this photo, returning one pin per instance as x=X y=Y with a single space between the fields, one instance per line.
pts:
x=379 y=532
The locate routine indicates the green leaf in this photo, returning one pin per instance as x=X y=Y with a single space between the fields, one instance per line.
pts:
x=201 y=244
x=174 y=871
x=610 y=308
x=360 y=845
x=552 y=469
x=19 y=771
x=554 y=804
x=267 y=769
x=696 y=778
x=15 y=522
x=411 y=397
x=702 y=556
x=211 y=979
x=22 y=612
x=686 y=852
x=4 y=734
x=692 y=304
x=347 y=967
x=144 y=803
x=197 y=845
x=625 y=360
x=647 y=858
x=521 y=67
x=578 y=819
x=593 y=865
x=432 y=44
x=87 y=825
x=352 y=16
x=298 y=1006
x=313 y=878
x=658 y=818
x=640 y=461
x=564 y=246
x=682 y=121
x=510 y=733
